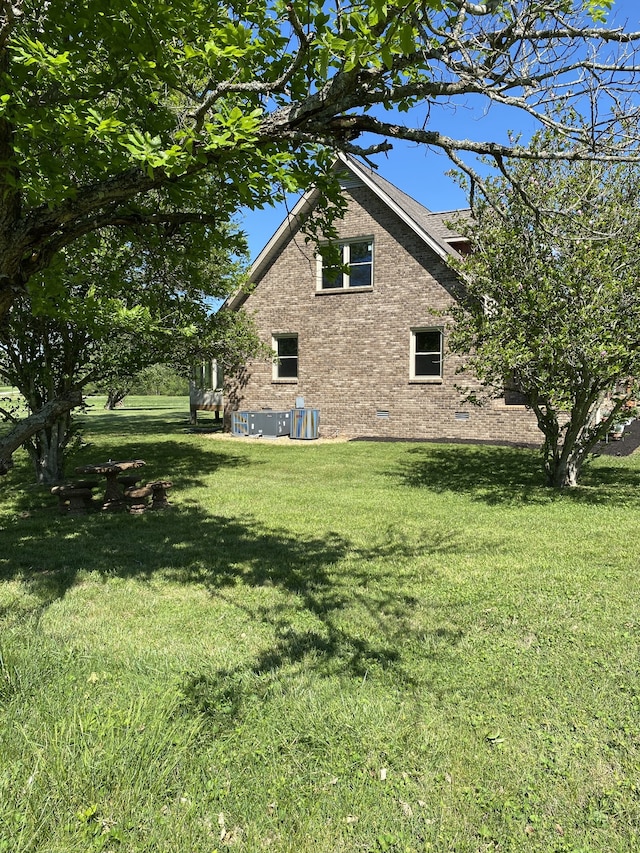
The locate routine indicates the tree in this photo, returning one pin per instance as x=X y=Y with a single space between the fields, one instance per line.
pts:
x=159 y=379
x=116 y=113
x=552 y=307
x=118 y=309
x=109 y=106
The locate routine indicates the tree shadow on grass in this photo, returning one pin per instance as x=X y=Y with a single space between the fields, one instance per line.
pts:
x=117 y=430
x=508 y=475
x=491 y=474
x=228 y=556
x=102 y=421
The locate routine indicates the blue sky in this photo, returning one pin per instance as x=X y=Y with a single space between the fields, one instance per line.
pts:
x=421 y=172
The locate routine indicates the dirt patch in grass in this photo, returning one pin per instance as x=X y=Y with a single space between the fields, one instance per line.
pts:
x=280 y=440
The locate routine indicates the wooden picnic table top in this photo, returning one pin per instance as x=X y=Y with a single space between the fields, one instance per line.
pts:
x=111 y=467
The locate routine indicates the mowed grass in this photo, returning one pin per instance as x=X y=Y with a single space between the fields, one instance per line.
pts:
x=320 y=647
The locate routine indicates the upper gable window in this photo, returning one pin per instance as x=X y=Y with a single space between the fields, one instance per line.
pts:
x=351 y=269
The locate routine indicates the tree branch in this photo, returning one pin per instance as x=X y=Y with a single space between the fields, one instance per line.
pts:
x=255 y=86
x=369 y=124
x=28 y=427
x=9 y=14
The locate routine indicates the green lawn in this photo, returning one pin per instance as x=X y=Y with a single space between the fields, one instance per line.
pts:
x=320 y=647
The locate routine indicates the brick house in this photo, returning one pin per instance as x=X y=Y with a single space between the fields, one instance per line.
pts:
x=368 y=349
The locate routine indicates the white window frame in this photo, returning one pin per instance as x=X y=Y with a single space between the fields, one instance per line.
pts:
x=277 y=361
x=346 y=286
x=425 y=377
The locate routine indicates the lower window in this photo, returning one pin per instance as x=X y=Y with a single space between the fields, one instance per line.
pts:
x=426 y=353
x=286 y=364
x=513 y=394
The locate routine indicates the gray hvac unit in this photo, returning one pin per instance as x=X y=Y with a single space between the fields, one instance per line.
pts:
x=269 y=423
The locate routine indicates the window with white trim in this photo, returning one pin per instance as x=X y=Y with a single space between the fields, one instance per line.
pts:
x=351 y=268
x=426 y=353
x=286 y=364
x=207 y=375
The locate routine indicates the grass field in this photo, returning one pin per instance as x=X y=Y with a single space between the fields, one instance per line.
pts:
x=320 y=647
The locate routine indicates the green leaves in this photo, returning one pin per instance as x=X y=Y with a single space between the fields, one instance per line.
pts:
x=152 y=154
x=47 y=61
x=557 y=258
x=376 y=38
x=598 y=9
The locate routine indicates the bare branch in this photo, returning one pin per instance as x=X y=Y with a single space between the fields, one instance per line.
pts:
x=369 y=124
x=9 y=14
x=475 y=179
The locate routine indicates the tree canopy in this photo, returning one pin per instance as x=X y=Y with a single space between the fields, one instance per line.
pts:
x=115 y=112
x=553 y=305
x=108 y=309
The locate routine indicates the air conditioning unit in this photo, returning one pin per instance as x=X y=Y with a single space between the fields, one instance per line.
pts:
x=305 y=423
x=269 y=423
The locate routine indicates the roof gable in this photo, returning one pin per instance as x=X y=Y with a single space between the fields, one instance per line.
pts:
x=429 y=226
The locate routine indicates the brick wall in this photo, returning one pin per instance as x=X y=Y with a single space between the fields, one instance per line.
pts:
x=354 y=346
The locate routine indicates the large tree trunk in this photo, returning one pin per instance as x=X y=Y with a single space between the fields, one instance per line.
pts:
x=115 y=396
x=565 y=473
x=46 y=449
x=566 y=449
x=27 y=428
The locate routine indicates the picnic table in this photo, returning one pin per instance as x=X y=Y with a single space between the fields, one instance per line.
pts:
x=114 y=495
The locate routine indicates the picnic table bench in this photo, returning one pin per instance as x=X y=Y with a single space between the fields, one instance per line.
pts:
x=75 y=498
x=122 y=490
x=114 y=497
